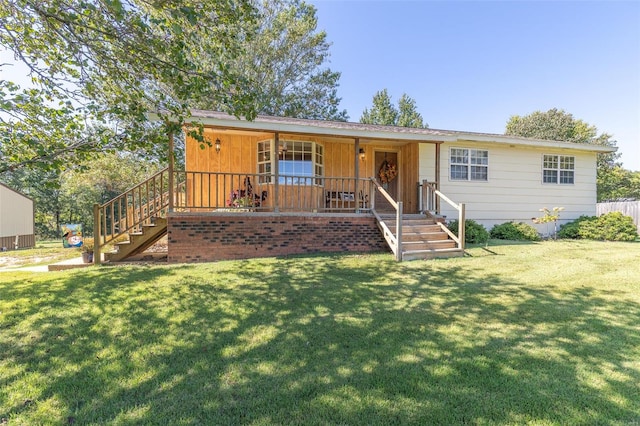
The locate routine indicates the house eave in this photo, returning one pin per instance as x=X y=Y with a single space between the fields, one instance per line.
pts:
x=319 y=127
x=535 y=143
x=286 y=125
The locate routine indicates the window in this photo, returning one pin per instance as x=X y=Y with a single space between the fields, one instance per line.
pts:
x=469 y=164
x=558 y=169
x=264 y=161
x=298 y=162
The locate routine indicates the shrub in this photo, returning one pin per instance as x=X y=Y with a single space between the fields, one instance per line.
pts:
x=474 y=233
x=612 y=226
x=515 y=231
x=87 y=244
x=571 y=229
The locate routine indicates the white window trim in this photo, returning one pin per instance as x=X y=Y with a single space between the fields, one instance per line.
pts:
x=558 y=170
x=273 y=159
x=468 y=164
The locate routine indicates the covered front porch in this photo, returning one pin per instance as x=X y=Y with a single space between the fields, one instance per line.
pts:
x=296 y=172
x=272 y=187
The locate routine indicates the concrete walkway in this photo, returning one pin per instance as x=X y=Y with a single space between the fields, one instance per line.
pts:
x=146 y=258
x=76 y=262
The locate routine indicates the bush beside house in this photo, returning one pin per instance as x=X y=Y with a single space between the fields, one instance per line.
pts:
x=612 y=226
x=474 y=233
x=515 y=231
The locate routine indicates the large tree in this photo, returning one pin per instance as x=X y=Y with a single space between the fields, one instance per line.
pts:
x=384 y=112
x=558 y=125
x=99 y=66
x=619 y=183
x=286 y=61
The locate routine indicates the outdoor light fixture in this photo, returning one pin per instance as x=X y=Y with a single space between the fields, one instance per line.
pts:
x=218 y=145
x=362 y=153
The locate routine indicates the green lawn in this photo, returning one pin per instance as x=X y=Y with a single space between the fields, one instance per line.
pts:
x=545 y=333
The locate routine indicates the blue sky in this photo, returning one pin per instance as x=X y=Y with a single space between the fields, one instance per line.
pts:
x=472 y=65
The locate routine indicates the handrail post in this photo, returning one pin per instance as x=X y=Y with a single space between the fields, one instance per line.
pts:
x=96 y=234
x=425 y=193
x=372 y=189
x=461 y=227
x=399 y=232
x=276 y=171
x=171 y=189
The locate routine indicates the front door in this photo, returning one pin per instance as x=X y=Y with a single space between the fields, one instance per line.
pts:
x=387 y=175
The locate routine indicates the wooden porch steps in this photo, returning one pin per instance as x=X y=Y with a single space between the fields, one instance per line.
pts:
x=139 y=242
x=423 y=238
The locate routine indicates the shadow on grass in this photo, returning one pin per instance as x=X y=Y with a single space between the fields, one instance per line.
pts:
x=315 y=340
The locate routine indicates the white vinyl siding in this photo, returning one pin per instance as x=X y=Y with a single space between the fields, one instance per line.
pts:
x=469 y=164
x=516 y=190
x=427 y=166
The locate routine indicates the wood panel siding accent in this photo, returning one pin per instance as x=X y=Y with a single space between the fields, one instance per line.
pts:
x=409 y=155
x=238 y=154
x=339 y=159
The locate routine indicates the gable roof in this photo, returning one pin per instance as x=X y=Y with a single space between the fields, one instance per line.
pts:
x=375 y=131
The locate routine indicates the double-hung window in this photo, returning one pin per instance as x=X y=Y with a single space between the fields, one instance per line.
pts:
x=299 y=162
x=558 y=169
x=469 y=164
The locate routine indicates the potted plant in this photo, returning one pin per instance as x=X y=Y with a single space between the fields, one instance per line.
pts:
x=87 y=250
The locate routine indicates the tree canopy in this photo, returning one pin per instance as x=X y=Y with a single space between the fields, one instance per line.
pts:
x=99 y=66
x=384 y=112
x=618 y=183
x=286 y=61
x=558 y=125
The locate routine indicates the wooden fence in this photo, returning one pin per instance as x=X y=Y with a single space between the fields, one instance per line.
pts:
x=627 y=208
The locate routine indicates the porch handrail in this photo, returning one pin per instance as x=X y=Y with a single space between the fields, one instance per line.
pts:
x=129 y=211
x=431 y=193
x=429 y=201
x=224 y=191
x=394 y=241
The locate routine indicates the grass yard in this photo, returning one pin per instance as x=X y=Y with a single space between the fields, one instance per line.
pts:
x=545 y=333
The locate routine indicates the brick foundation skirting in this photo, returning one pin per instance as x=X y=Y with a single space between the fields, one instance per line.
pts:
x=206 y=238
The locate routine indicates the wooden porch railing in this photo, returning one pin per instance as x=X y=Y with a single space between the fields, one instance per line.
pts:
x=394 y=241
x=430 y=203
x=128 y=212
x=428 y=200
x=209 y=191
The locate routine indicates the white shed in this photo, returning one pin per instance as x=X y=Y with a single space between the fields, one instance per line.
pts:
x=17 y=221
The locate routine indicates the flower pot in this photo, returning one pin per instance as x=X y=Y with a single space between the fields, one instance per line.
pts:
x=87 y=257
